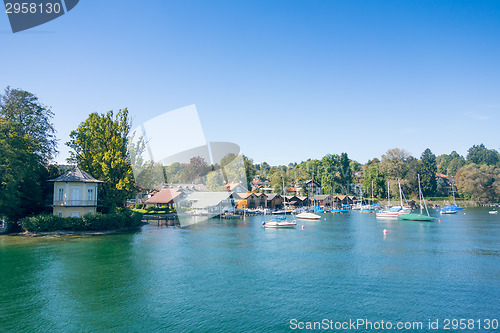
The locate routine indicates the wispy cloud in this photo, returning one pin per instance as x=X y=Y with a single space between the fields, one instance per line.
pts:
x=477 y=116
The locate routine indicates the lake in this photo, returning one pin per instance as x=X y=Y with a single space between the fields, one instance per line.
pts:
x=235 y=276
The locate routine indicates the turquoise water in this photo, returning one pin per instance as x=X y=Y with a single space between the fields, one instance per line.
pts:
x=234 y=276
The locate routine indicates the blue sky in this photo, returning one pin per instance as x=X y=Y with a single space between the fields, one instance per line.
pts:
x=286 y=80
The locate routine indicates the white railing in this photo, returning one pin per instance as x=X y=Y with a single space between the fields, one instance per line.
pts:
x=62 y=203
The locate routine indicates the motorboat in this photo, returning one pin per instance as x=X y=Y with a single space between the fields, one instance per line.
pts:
x=308 y=216
x=279 y=223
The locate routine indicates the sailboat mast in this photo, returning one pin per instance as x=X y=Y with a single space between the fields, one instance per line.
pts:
x=400 y=194
x=284 y=198
x=453 y=192
x=420 y=193
x=372 y=194
x=388 y=195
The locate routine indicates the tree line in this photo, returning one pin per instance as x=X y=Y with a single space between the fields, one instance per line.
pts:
x=476 y=176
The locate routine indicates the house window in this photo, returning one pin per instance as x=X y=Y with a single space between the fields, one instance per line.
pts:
x=90 y=194
x=59 y=214
x=75 y=214
x=60 y=194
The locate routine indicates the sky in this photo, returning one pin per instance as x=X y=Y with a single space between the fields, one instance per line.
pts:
x=286 y=80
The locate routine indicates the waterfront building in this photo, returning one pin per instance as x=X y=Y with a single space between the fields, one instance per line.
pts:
x=166 y=197
x=236 y=187
x=75 y=194
x=274 y=201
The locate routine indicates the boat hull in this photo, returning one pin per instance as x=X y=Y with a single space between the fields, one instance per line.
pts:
x=416 y=217
x=308 y=216
x=388 y=214
x=449 y=212
x=280 y=225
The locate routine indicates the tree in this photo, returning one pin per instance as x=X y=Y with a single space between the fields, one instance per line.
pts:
x=195 y=171
x=100 y=148
x=148 y=174
x=374 y=177
x=345 y=172
x=34 y=119
x=21 y=173
x=330 y=174
x=427 y=170
x=441 y=188
x=479 y=182
x=395 y=163
x=481 y=155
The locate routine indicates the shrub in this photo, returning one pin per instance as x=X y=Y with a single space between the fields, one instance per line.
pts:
x=89 y=222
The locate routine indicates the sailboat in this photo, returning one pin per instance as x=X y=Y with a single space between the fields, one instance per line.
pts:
x=389 y=212
x=280 y=221
x=418 y=217
x=403 y=209
x=368 y=208
x=451 y=209
x=309 y=215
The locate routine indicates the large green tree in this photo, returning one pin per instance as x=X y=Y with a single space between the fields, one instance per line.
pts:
x=34 y=119
x=481 y=155
x=427 y=170
x=100 y=148
x=395 y=163
x=20 y=168
x=374 y=181
x=479 y=182
x=345 y=172
x=27 y=144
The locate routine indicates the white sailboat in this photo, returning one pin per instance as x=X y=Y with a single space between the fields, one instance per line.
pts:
x=280 y=221
x=309 y=215
x=388 y=212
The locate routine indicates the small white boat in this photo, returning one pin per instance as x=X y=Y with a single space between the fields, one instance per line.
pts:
x=493 y=212
x=449 y=211
x=387 y=213
x=279 y=224
x=308 y=216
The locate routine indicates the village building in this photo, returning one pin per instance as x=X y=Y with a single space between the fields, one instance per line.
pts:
x=187 y=188
x=274 y=201
x=236 y=187
x=166 y=197
x=210 y=203
x=240 y=200
x=324 y=200
x=294 y=201
x=256 y=200
x=313 y=187
x=75 y=194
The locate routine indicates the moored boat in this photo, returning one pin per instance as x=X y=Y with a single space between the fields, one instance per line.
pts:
x=308 y=216
x=279 y=223
x=449 y=211
x=339 y=211
x=418 y=217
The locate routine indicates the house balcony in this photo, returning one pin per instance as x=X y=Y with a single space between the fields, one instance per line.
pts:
x=75 y=203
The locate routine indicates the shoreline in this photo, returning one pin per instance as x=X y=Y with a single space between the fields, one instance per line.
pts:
x=63 y=233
